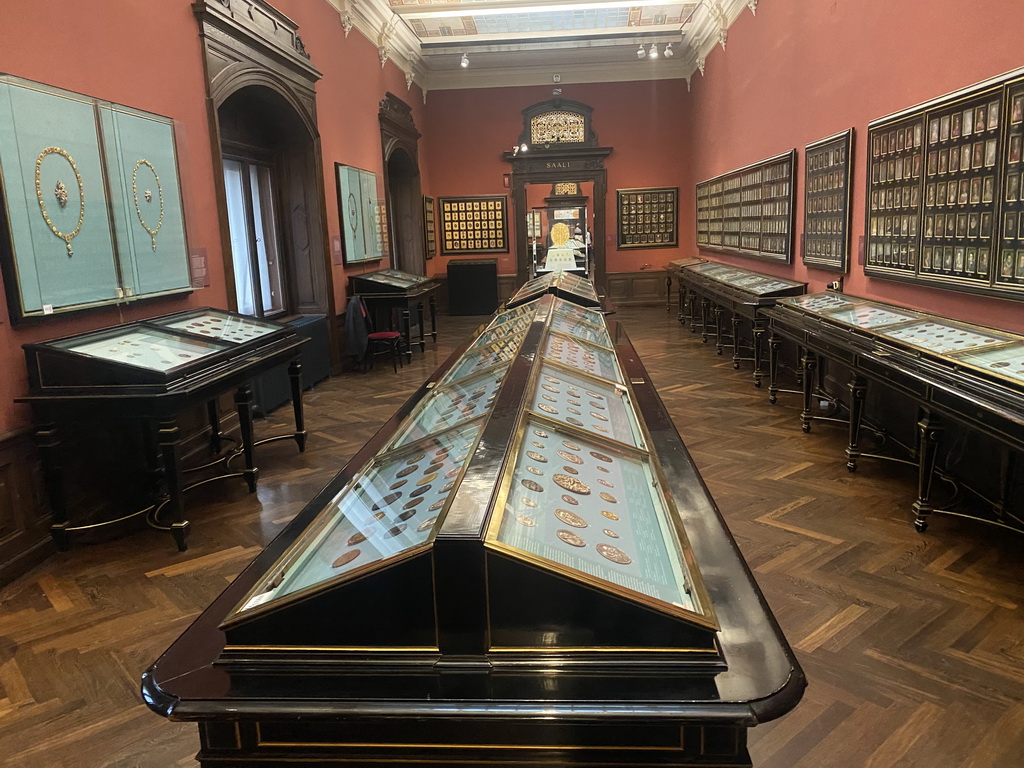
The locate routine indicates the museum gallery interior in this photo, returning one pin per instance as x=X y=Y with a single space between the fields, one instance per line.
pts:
x=495 y=383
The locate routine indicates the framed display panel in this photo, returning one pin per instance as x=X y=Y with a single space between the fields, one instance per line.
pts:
x=944 y=199
x=73 y=236
x=647 y=218
x=828 y=168
x=750 y=211
x=473 y=224
x=359 y=212
x=429 y=227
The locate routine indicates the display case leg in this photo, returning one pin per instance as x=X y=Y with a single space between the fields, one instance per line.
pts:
x=243 y=404
x=705 y=305
x=1007 y=467
x=668 y=293
x=929 y=432
x=858 y=392
x=214 y=419
x=810 y=365
x=736 y=322
x=774 y=342
x=432 y=304
x=420 y=318
x=759 y=331
x=407 y=333
x=718 y=329
x=47 y=440
x=295 y=375
x=170 y=449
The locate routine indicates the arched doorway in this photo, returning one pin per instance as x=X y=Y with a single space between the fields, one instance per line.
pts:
x=399 y=143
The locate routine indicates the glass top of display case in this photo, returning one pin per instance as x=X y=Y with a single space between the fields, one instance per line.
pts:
x=153 y=349
x=603 y=514
x=944 y=337
x=388 y=510
x=819 y=303
x=220 y=325
x=493 y=347
x=583 y=356
x=392 y=277
x=868 y=315
x=1006 y=361
x=745 y=279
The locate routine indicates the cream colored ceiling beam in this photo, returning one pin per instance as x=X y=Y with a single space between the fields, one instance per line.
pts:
x=446 y=10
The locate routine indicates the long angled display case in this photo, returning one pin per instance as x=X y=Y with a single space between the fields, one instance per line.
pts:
x=519 y=567
x=563 y=284
x=970 y=374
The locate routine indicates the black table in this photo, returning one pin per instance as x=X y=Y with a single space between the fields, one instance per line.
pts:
x=393 y=297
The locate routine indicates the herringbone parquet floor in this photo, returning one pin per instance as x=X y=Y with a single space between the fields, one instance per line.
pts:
x=913 y=644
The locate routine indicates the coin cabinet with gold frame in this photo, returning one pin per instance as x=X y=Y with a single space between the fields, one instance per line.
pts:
x=750 y=211
x=476 y=224
x=514 y=541
x=968 y=374
x=647 y=217
x=943 y=191
x=91 y=211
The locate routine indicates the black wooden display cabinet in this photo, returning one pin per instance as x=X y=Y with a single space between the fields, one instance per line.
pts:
x=395 y=299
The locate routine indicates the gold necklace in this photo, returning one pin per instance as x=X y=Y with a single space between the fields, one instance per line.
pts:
x=61 y=193
x=149 y=197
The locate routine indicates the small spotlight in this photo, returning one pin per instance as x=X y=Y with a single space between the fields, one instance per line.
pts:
x=523 y=147
x=640 y=52
x=653 y=53
x=465 y=61
x=669 y=53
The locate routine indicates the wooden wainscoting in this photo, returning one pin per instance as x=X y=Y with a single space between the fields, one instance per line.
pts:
x=634 y=289
x=24 y=518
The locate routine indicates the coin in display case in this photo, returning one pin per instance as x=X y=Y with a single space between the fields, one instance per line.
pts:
x=577 y=403
x=537 y=457
x=571 y=445
x=535 y=471
x=526 y=520
x=452 y=472
x=570 y=470
x=608 y=497
x=528 y=502
x=395 y=486
x=421 y=490
x=572 y=484
x=575 y=411
x=570 y=518
x=447 y=486
x=347 y=558
x=572 y=458
x=356 y=538
x=549 y=388
x=552 y=379
x=574 y=421
x=387 y=501
x=426 y=524
x=406 y=515
x=610 y=533
x=605 y=483
x=599 y=428
x=570 y=500
x=603 y=469
x=540 y=433
x=609 y=515
x=427 y=479
x=570 y=538
x=549 y=398
x=406 y=471
x=595 y=395
x=416 y=458
x=532 y=485
x=412 y=503
x=601 y=456
x=536 y=443
x=599 y=416
x=435 y=506
x=614 y=554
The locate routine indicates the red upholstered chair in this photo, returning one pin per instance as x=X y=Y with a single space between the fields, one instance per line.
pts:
x=363 y=343
x=382 y=343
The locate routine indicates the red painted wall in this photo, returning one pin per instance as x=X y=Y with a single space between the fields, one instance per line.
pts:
x=643 y=121
x=148 y=55
x=800 y=71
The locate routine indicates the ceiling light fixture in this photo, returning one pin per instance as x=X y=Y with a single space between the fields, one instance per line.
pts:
x=669 y=53
x=465 y=61
x=653 y=52
x=640 y=52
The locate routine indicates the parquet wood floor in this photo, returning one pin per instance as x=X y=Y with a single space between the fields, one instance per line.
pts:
x=913 y=644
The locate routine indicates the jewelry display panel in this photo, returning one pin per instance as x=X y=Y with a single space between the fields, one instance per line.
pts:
x=943 y=337
x=429 y=227
x=598 y=407
x=596 y=510
x=648 y=217
x=359 y=210
x=453 y=404
x=221 y=325
x=750 y=211
x=588 y=358
x=476 y=224
x=139 y=347
x=828 y=165
x=944 y=185
x=867 y=315
x=1006 y=361
x=389 y=509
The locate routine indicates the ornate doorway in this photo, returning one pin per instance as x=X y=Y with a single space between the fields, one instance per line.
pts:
x=399 y=142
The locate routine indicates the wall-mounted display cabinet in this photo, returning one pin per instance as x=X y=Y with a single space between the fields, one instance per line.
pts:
x=92 y=210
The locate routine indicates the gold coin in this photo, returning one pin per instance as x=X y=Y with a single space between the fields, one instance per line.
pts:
x=435 y=506
x=570 y=538
x=427 y=479
x=610 y=533
x=596 y=404
x=609 y=515
x=406 y=471
x=605 y=483
x=574 y=421
x=573 y=392
x=526 y=520
x=570 y=500
x=614 y=554
x=599 y=428
x=426 y=524
x=601 y=456
x=347 y=558
x=535 y=471
x=570 y=518
x=447 y=486
x=549 y=398
x=577 y=403
x=570 y=457
x=575 y=411
x=399 y=484
x=552 y=379
x=537 y=457
x=532 y=485
x=549 y=388
x=572 y=484
x=529 y=502
x=608 y=497
x=595 y=395
x=599 y=416
x=536 y=443
x=547 y=408
x=571 y=445
x=379 y=515
x=570 y=470
x=392 y=532
x=356 y=538
x=540 y=433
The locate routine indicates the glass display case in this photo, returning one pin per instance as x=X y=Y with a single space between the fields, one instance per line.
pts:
x=563 y=284
x=559 y=239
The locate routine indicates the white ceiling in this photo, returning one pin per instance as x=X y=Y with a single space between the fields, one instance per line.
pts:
x=531 y=42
